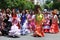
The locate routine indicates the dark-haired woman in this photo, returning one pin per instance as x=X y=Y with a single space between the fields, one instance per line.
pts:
x=38 y=24
x=15 y=31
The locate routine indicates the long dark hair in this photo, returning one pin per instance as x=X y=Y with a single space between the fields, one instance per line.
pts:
x=36 y=9
x=14 y=12
x=8 y=11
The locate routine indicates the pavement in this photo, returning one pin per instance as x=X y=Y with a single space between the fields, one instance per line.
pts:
x=48 y=36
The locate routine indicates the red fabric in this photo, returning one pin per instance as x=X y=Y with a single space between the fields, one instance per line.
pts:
x=18 y=26
x=14 y=15
x=46 y=30
x=54 y=28
x=39 y=30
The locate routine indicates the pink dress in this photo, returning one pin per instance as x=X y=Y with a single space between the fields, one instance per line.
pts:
x=29 y=21
x=33 y=22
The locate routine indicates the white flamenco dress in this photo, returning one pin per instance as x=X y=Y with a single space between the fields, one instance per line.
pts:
x=14 y=30
x=24 y=28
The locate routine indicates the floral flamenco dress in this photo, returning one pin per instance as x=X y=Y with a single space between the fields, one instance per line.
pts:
x=54 y=27
x=38 y=28
x=31 y=22
x=47 y=24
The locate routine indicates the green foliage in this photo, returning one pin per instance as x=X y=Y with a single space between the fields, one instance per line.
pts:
x=48 y=5
x=22 y=4
x=54 y=1
x=56 y=5
x=47 y=2
x=3 y=4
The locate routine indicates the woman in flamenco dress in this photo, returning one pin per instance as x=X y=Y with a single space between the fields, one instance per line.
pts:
x=15 y=29
x=54 y=27
x=38 y=24
x=24 y=24
x=47 y=22
x=32 y=21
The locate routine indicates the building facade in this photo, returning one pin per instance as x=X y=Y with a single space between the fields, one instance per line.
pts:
x=39 y=2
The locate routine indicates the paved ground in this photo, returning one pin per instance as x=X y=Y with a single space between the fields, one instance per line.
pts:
x=29 y=37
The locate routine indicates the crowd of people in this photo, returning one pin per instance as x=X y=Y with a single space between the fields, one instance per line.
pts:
x=15 y=23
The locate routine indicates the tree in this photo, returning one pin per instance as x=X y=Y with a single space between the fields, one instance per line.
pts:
x=54 y=1
x=48 y=5
x=56 y=5
x=23 y=4
x=3 y=4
